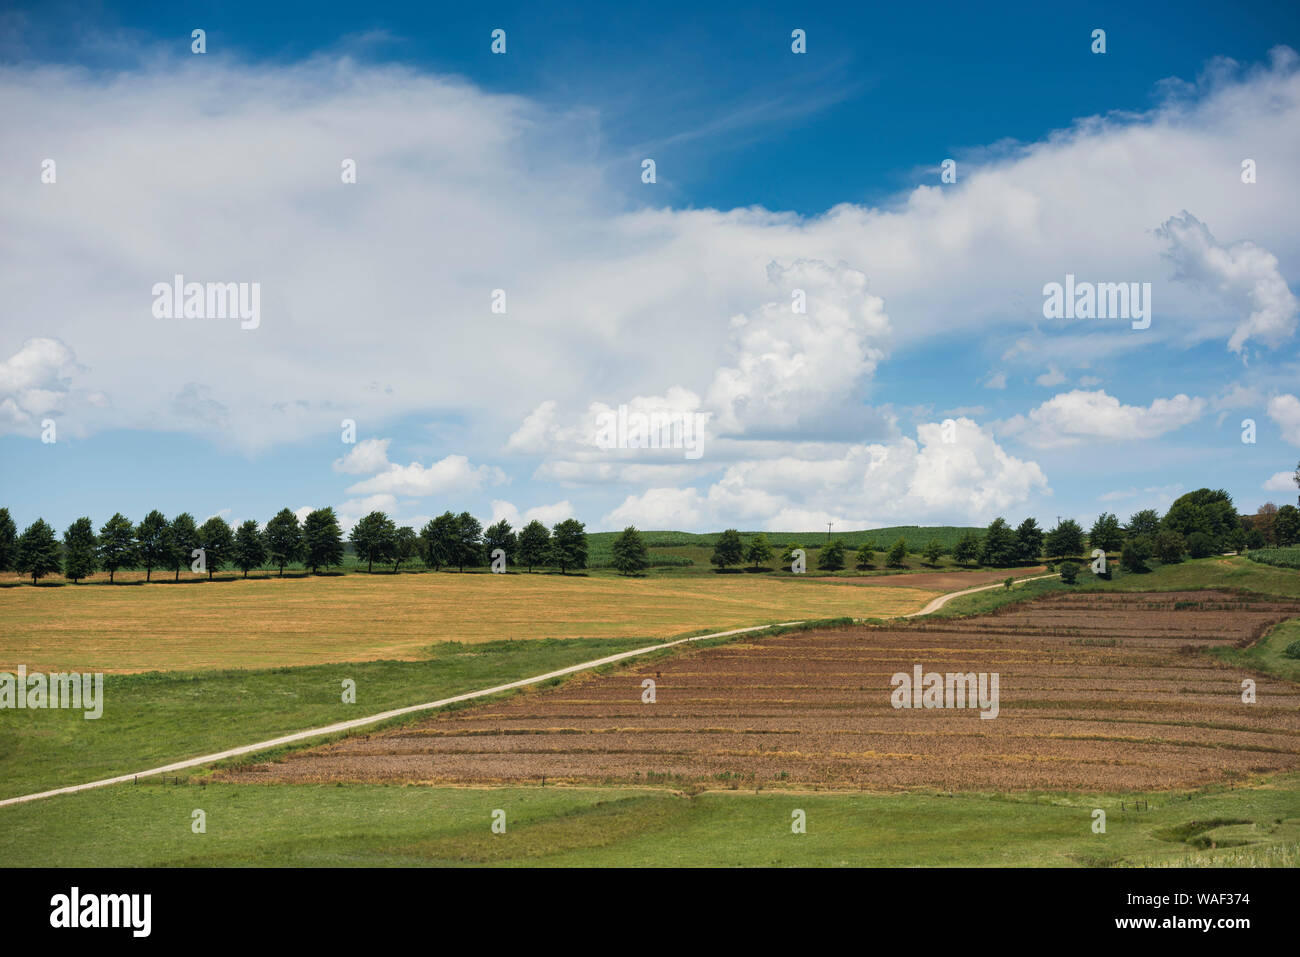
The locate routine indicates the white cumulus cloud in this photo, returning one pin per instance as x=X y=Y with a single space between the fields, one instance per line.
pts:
x=1077 y=416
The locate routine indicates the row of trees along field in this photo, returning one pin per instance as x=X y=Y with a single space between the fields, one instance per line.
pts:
x=159 y=544
x=1198 y=524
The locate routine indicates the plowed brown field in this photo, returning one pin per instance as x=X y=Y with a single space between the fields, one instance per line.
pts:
x=1097 y=692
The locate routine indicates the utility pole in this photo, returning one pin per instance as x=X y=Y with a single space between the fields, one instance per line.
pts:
x=828 y=530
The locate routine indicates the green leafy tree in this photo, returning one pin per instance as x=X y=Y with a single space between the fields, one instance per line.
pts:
x=1029 y=541
x=250 y=547
x=933 y=551
x=1000 y=547
x=968 y=548
x=569 y=545
x=79 y=550
x=373 y=539
x=831 y=558
x=1208 y=511
x=468 y=542
x=153 y=537
x=631 y=557
x=405 y=546
x=1237 y=539
x=8 y=541
x=1106 y=533
x=322 y=540
x=1287 y=525
x=501 y=535
x=534 y=544
x=37 y=551
x=866 y=555
x=727 y=550
x=183 y=535
x=1065 y=540
x=1168 y=546
x=218 y=543
x=759 y=552
x=438 y=541
x=897 y=554
x=1145 y=522
x=1069 y=572
x=1136 y=550
x=1200 y=545
x=1255 y=539
x=116 y=544
x=283 y=537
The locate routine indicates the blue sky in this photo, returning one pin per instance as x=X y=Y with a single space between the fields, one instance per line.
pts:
x=775 y=171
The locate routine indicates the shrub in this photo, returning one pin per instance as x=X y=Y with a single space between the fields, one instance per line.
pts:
x=1069 y=572
x=1169 y=546
x=1135 y=554
x=1292 y=650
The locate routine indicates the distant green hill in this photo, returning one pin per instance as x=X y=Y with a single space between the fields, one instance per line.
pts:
x=661 y=543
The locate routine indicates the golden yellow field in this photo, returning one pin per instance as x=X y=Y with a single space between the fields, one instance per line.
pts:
x=274 y=622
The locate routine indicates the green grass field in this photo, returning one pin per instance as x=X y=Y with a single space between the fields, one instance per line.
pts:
x=156 y=718
x=1218 y=572
x=310 y=825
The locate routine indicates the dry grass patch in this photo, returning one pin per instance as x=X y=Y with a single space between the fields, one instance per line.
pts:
x=273 y=622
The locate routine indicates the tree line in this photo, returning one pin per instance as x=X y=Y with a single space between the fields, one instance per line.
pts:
x=160 y=544
x=1201 y=523
x=1198 y=524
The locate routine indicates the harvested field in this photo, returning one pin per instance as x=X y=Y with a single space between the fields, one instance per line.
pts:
x=1097 y=692
x=308 y=621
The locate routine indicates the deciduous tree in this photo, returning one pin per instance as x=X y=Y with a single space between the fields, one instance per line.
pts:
x=759 y=552
x=283 y=537
x=405 y=545
x=322 y=540
x=116 y=544
x=534 y=544
x=183 y=536
x=727 y=550
x=468 y=541
x=153 y=540
x=218 y=543
x=631 y=557
x=37 y=551
x=373 y=539
x=569 y=545
x=831 y=558
x=1000 y=547
x=1066 y=539
x=250 y=547
x=79 y=550
x=968 y=548
x=1106 y=533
